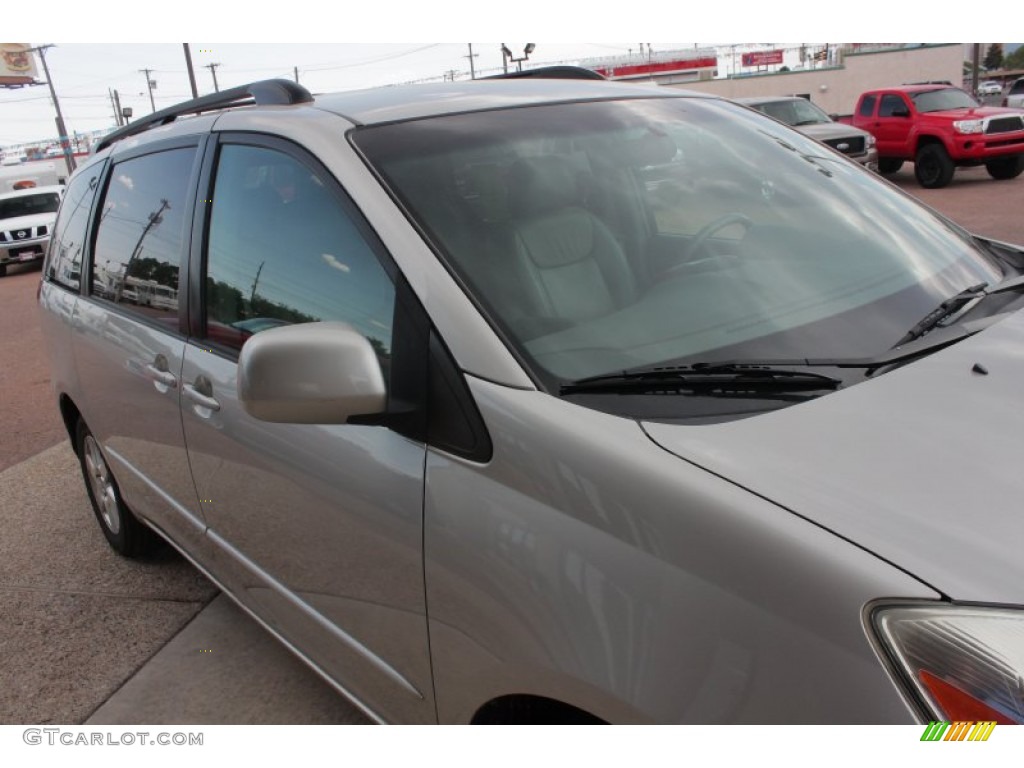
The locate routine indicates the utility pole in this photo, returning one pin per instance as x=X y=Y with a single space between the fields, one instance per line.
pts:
x=65 y=143
x=156 y=217
x=975 y=62
x=213 y=71
x=471 y=56
x=113 y=106
x=191 y=73
x=117 y=105
x=296 y=74
x=255 y=282
x=149 y=84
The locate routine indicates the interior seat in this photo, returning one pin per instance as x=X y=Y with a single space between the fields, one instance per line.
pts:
x=570 y=268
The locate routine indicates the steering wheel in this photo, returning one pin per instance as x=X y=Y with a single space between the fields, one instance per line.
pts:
x=705 y=233
x=701 y=238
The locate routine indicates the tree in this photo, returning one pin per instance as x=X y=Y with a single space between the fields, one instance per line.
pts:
x=994 y=57
x=1015 y=60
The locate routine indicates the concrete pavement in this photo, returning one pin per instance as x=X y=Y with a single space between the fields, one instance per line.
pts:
x=88 y=636
x=78 y=621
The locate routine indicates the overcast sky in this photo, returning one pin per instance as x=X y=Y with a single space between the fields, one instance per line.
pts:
x=83 y=69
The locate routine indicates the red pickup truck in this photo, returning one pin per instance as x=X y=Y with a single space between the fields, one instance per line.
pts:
x=939 y=128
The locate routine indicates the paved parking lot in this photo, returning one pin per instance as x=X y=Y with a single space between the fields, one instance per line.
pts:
x=90 y=637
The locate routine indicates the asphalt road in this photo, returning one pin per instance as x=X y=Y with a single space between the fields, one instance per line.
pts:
x=90 y=637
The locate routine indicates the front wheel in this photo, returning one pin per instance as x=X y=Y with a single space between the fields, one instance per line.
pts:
x=887 y=166
x=933 y=166
x=125 y=534
x=1005 y=167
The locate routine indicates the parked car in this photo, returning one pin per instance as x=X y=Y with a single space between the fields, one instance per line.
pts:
x=26 y=223
x=940 y=129
x=807 y=118
x=1015 y=95
x=28 y=175
x=554 y=401
x=990 y=88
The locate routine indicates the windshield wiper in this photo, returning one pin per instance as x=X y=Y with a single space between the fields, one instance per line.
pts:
x=707 y=378
x=946 y=309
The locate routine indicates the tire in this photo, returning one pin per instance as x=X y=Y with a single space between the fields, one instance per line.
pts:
x=125 y=534
x=3 y=270
x=933 y=166
x=888 y=166
x=1005 y=167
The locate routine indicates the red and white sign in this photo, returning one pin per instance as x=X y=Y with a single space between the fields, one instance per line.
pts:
x=762 y=58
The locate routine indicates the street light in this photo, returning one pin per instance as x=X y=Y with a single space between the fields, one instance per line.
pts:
x=508 y=56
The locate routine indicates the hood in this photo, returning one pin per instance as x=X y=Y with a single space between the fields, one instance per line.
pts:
x=830 y=131
x=923 y=466
x=973 y=112
x=24 y=222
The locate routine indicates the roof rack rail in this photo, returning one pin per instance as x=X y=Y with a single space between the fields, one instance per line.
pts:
x=263 y=92
x=562 y=72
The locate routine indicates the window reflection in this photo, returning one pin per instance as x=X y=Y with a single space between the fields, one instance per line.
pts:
x=141 y=231
x=65 y=259
x=283 y=250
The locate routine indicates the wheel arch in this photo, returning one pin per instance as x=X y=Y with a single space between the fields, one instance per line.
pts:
x=71 y=415
x=925 y=139
x=530 y=709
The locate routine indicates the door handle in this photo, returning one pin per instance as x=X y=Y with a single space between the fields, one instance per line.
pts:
x=201 y=393
x=158 y=372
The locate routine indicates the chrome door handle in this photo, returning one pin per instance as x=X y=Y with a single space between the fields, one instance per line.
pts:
x=166 y=378
x=196 y=394
x=159 y=372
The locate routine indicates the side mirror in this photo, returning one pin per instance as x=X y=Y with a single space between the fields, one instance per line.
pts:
x=900 y=112
x=313 y=373
x=833 y=116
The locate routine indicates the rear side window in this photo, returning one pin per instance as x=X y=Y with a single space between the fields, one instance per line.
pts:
x=867 y=106
x=141 y=230
x=891 y=102
x=64 y=263
x=1017 y=87
x=284 y=249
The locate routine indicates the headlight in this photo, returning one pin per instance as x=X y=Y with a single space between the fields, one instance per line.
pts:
x=870 y=141
x=960 y=662
x=969 y=126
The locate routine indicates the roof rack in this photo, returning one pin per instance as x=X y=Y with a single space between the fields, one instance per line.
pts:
x=563 y=72
x=262 y=93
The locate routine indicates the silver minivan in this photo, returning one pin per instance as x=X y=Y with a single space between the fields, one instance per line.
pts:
x=547 y=400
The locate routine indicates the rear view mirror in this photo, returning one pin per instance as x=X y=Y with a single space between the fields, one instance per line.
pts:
x=313 y=373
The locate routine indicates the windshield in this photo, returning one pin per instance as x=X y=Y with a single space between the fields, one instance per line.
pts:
x=946 y=98
x=794 y=112
x=29 y=205
x=604 y=236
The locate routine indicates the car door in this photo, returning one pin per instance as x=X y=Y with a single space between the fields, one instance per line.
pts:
x=317 y=529
x=128 y=349
x=893 y=125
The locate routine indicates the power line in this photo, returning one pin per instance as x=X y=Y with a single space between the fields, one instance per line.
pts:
x=389 y=57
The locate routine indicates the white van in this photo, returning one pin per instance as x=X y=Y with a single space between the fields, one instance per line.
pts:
x=29 y=175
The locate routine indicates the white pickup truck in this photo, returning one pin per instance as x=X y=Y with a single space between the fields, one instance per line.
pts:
x=26 y=224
